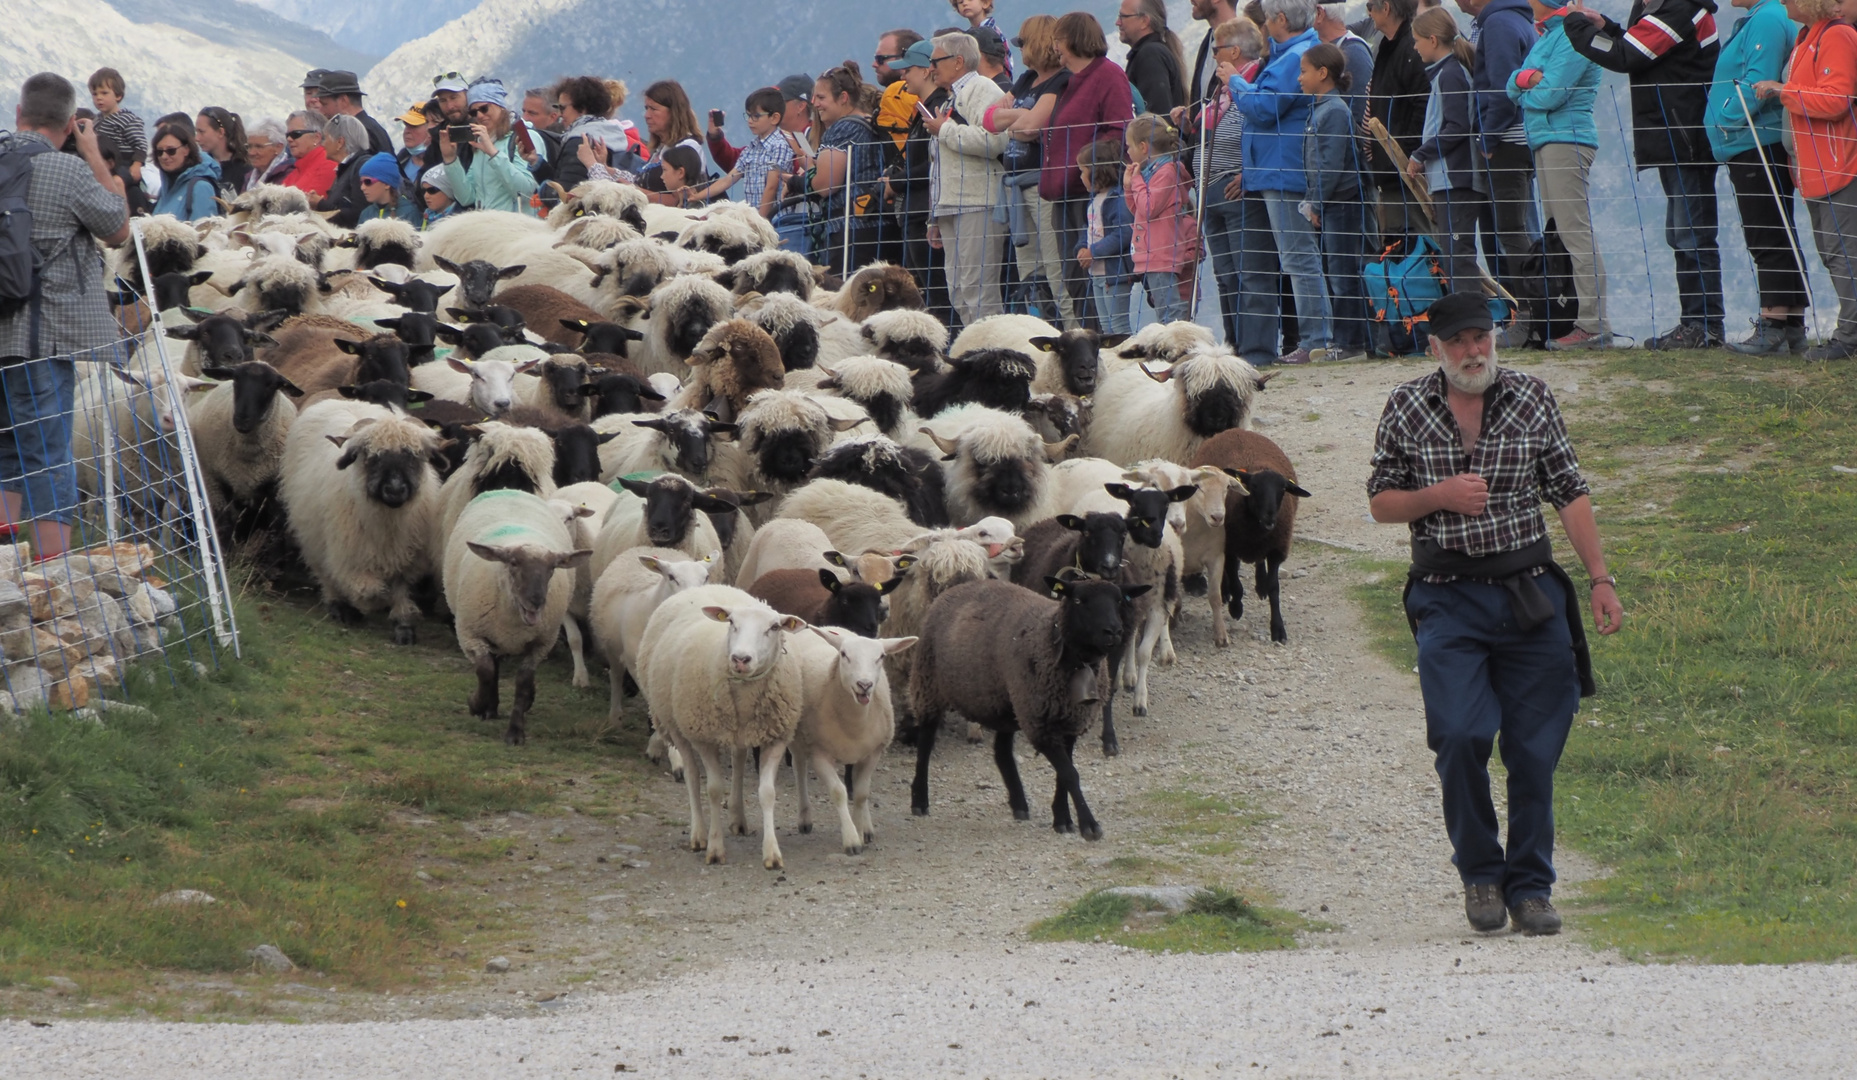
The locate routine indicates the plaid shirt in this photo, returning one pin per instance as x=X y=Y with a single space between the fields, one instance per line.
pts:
x=755 y=159
x=1523 y=453
x=69 y=208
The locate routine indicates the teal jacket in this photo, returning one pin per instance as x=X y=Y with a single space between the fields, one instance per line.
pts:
x=1559 y=109
x=1758 y=49
x=500 y=181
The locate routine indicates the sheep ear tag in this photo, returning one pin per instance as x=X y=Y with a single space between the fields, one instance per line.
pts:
x=1056 y=585
x=719 y=614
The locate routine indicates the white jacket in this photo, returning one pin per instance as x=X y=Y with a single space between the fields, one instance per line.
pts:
x=968 y=154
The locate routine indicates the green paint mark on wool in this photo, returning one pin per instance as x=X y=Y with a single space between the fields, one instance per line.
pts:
x=507 y=534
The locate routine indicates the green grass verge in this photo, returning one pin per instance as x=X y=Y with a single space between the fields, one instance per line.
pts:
x=302 y=787
x=1215 y=920
x=1714 y=773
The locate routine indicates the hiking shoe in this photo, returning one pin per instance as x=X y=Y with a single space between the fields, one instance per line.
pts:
x=1483 y=907
x=1831 y=350
x=1535 y=916
x=1336 y=353
x=1580 y=339
x=1299 y=356
x=1770 y=339
x=1685 y=336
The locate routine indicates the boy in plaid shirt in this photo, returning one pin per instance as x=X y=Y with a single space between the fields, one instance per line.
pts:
x=768 y=152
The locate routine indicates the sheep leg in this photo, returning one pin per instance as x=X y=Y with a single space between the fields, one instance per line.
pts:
x=712 y=767
x=483 y=699
x=1068 y=781
x=860 y=795
x=1009 y=772
x=571 y=627
x=925 y=746
x=1144 y=658
x=800 y=788
x=518 y=732
x=848 y=830
x=345 y=613
x=1234 y=586
x=615 y=710
x=738 y=804
x=1215 y=596
x=692 y=777
x=1111 y=746
x=404 y=613
x=770 y=768
x=1269 y=584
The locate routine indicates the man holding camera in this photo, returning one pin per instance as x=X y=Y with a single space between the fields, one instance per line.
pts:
x=52 y=307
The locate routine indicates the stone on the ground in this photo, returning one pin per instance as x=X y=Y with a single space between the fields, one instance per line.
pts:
x=1173 y=898
x=270 y=958
x=497 y=965
x=28 y=684
x=60 y=985
x=69 y=693
x=185 y=898
x=13 y=602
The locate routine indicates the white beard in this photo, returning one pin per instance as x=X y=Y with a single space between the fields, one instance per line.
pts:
x=1472 y=384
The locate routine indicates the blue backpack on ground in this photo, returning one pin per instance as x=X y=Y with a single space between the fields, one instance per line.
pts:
x=1400 y=287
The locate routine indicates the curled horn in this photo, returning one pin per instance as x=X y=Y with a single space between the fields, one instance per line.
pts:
x=1264 y=378
x=1150 y=373
x=1055 y=451
x=947 y=446
x=560 y=192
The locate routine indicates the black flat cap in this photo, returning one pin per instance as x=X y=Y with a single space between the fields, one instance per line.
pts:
x=1448 y=315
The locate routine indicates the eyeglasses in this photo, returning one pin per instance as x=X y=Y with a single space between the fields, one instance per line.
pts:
x=1136 y=15
x=933 y=60
x=169 y=151
x=761 y=115
x=298 y=134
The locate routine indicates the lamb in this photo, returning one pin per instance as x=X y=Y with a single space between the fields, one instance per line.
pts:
x=557 y=389
x=417 y=294
x=878 y=287
x=383 y=241
x=768 y=272
x=680 y=314
x=1260 y=524
x=1142 y=414
x=995 y=378
x=487 y=384
x=907 y=474
x=624 y=597
x=996 y=466
x=682 y=441
x=848 y=719
x=882 y=388
x=362 y=495
x=239 y=430
x=735 y=360
x=1201 y=528
x=503 y=586
x=1011 y=660
x=717 y=636
x=661 y=512
x=819 y=597
x=791 y=322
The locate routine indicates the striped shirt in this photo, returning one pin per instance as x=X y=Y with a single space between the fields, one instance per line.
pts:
x=127 y=133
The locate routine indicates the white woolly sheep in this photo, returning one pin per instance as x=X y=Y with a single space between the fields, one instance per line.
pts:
x=505 y=590
x=590 y=500
x=667 y=511
x=385 y=241
x=768 y=273
x=680 y=312
x=794 y=544
x=1161 y=343
x=267 y=200
x=595 y=199
x=848 y=719
x=999 y=467
x=716 y=636
x=1143 y=413
x=272 y=283
x=504 y=458
x=594 y=233
x=729 y=237
x=362 y=493
x=487 y=383
x=624 y=597
x=795 y=326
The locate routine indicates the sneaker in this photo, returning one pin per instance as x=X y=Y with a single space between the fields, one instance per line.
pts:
x=1580 y=339
x=1770 y=339
x=1300 y=356
x=1685 y=336
x=1339 y=353
x=1535 y=916
x=1831 y=350
x=1483 y=907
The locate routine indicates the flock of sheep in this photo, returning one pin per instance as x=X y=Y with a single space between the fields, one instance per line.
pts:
x=774 y=505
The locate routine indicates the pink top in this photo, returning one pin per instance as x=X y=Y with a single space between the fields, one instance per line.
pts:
x=1166 y=236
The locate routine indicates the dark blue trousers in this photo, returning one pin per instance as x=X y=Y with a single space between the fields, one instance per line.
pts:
x=1481 y=676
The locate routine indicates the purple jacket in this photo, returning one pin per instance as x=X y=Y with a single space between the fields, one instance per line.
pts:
x=1095 y=105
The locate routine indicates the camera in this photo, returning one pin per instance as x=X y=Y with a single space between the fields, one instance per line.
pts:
x=460 y=133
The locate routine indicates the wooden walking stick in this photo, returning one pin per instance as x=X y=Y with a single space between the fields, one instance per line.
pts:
x=1491 y=287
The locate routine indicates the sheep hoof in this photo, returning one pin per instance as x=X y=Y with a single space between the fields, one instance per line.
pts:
x=677 y=775
x=1092 y=831
x=773 y=862
x=1279 y=635
x=919 y=811
x=870 y=838
x=347 y=614
x=1223 y=641
x=1021 y=815
x=712 y=858
x=581 y=682
x=853 y=849
x=405 y=634
x=1139 y=710
x=738 y=829
x=697 y=843
x=514 y=738
x=1112 y=748
x=1063 y=827
x=805 y=826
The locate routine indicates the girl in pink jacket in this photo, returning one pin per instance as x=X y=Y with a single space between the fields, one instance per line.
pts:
x=1158 y=190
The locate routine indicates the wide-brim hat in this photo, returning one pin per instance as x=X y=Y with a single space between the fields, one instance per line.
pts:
x=341 y=82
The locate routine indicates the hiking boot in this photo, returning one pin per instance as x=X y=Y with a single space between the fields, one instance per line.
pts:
x=1685 y=336
x=1483 y=907
x=1770 y=339
x=1580 y=339
x=1535 y=916
x=1832 y=350
x=1299 y=356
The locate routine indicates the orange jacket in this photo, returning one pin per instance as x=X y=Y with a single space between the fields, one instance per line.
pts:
x=895 y=112
x=1817 y=97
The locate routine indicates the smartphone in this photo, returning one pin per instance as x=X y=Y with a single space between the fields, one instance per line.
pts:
x=716 y=117
x=524 y=143
x=924 y=110
x=460 y=133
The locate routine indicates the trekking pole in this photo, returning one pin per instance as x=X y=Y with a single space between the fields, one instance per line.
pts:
x=1199 y=219
x=1766 y=168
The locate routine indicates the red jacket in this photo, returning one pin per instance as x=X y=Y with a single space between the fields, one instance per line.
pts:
x=313 y=172
x=1818 y=107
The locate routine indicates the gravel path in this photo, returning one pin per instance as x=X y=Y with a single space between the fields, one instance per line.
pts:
x=1297 y=772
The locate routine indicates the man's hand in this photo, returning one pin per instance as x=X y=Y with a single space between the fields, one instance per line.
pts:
x=1608 y=613
x=1415 y=166
x=1226 y=70
x=934 y=237
x=87 y=148
x=934 y=124
x=1465 y=493
x=1235 y=190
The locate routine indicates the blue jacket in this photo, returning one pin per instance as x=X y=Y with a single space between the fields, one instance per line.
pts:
x=1333 y=167
x=1559 y=109
x=1758 y=49
x=1505 y=32
x=1115 y=251
x=1276 y=113
x=1449 y=152
x=190 y=196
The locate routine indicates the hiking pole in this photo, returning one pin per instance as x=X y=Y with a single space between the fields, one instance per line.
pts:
x=1766 y=168
x=1199 y=220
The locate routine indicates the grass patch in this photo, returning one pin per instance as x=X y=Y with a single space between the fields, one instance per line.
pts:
x=1215 y=920
x=1715 y=771
x=302 y=788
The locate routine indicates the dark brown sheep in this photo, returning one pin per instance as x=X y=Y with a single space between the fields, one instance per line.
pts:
x=877 y=287
x=734 y=360
x=1258 y=526
x=819 y=597
x=543 y=308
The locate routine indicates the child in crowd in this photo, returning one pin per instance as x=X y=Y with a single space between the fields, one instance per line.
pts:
x=1447 y=160
x=979 y=13
x=1157 y=189
x=768 y=152
x=435 y=192
x=1110 y=235
x=680 y=165
x=124 y=130
x=1333 y=200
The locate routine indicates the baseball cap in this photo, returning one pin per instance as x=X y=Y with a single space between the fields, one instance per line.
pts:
x=915 y=56
x=414 y=116
x=451 y=80
x=796 y=87
x=1450 y=315
x=992 y=43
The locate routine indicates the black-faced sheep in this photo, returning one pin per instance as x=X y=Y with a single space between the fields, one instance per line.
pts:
x=415 y=294
x=730 y=238
x=633 y=269
x=577 y=454
x=769 y=272
x=791 y=322
x=1094 y=542
x=239 y=428
x=1259 y=525
x=420 y=332
x=882 y=388
x=505 y=589
x=553 y=314
x=278 y=284
x=362 y=494
x=1011 y=660
x=1144 y=413
x=779 y=437
x=994 y=378
x=384 y=241
x=1163 y=343
x=598 y=198
x=320 y=355
x=606 y=338
x=666 y=511
x=995 y=466
x=558 y=389
x=266 y=200
x=914 y=339
x=680 y=313
x=223 y=339
x=618 y=392
x=907 y=474
x=717 y=636
x=681 y=441
x=1202 y=526
x=478 y=279
x=819 y=597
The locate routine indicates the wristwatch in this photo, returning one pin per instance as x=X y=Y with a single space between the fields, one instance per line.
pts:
x=1609 y=579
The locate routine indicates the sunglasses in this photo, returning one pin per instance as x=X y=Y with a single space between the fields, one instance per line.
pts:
x=298 y=134
x=884 y=58
x=933 y=60
x=482 y=109
x=169 y=151
x=430 y=191
x=448 y=77
x=557 y=108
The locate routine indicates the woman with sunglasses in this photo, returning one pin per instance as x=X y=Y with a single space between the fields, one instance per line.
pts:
x=189 y=183
x=311 y=171
x=221 y=136
x=500 y=175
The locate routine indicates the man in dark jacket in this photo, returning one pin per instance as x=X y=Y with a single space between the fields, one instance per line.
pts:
x=1668 y=48
x=1504 y=31
x=1205 y=68
x=1153 y=68
x=340 y=95
x=1397 y=99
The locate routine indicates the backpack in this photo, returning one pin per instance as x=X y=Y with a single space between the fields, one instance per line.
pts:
x=1399 y=288
x=19 y=259
x=1543 y=286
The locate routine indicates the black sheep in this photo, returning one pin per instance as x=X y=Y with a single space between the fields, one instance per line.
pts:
x=907 y=474
x=1093 y=543
x=1258 y=526
x=997 y=378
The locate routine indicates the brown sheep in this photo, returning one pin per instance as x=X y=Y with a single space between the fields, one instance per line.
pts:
x=1258 y=526
x=735 y=359
x=822 y=600
x=317 y=357
x=878 y=287
x=543 y=308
